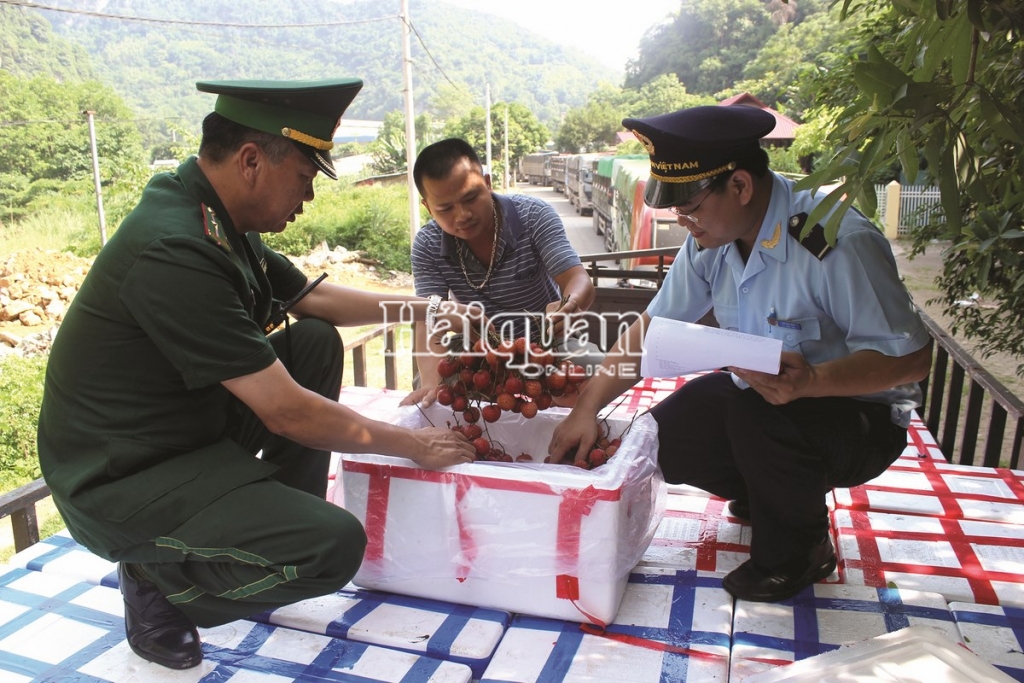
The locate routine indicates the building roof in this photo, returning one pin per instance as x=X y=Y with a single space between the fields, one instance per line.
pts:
x=785 y=127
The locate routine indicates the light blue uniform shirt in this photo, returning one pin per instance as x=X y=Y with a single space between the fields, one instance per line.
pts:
x=850 y=300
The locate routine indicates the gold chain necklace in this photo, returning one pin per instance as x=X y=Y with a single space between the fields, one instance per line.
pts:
x=494 y=250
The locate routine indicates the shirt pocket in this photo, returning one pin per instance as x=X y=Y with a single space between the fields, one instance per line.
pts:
x=793 y=333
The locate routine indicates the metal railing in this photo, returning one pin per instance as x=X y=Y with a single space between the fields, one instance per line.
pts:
x=986 y=397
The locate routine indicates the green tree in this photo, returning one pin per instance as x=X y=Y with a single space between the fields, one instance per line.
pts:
x=707 y=44
x=45 y=147
x=388 y=149
x=593 y=127
x=28 y=47
x=942 y=80
x=525 y=133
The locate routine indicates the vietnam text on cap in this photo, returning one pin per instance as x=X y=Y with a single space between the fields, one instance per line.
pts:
x=689 y=147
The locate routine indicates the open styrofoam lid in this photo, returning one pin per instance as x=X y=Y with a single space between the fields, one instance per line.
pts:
x=917 y=654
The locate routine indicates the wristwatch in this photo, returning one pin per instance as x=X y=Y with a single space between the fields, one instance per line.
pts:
x=434 y=302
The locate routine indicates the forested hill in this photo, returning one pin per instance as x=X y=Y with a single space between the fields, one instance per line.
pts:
x=154 y=66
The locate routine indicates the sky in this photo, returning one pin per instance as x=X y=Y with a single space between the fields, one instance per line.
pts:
x=607 y=31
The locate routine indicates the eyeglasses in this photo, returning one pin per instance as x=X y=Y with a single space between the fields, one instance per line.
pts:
x=688 y=215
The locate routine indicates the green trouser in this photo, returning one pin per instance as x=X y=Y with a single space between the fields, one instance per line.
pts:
x=274 y=541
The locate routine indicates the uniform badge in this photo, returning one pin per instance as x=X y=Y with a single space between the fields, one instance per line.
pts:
x=815 y=242
x=213 y=230
x=774 y=240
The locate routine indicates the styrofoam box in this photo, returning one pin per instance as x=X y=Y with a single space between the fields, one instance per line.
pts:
x=696 y=533
x=61 y=554
x=53 y=628
x=921 y=445
x=964 y=560
x=916 y=654
x=673 y=626
x=823 y=617
x=996 y=634
x=546 y=540
x=442 y=630
x=939 y=489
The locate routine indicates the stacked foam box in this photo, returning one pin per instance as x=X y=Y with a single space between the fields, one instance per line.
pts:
x=938 y=489
x=54 y=628
x=921 y=445
x=644 y=395
x=994 y=633
x=673 y=626
x=823 y=617
x=437 y=629
x=964 y=560
x=441 y=630
x=697 y=533
x=62 y=555
x=544 y=540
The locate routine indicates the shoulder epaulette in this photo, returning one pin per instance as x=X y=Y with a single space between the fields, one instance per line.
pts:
x=815 y=242
x=213 y=230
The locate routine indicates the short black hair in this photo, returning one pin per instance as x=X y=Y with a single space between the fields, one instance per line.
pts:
x=753 y=159
x=222 y=137
x=436 y=161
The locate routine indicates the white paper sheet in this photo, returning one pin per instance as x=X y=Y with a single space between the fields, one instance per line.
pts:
x=673 y=348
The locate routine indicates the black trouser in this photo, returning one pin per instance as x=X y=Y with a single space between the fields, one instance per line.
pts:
x=272 y=542
x=782 y=460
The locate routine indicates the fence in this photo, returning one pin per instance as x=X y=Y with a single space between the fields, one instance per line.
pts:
x=903 y=208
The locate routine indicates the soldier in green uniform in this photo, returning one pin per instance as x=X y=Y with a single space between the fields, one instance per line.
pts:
x=163 y=388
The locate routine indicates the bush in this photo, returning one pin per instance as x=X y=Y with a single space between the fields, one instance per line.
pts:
x=21 y=385
x=371 y=219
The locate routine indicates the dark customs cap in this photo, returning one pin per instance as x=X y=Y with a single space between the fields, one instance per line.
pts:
x=305 y=112
x=690 y=147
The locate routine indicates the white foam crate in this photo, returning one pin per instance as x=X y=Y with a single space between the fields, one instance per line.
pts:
x=546 y=540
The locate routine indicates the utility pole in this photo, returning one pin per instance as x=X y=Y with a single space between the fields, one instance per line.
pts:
x=96 y=176
x=504 y=155
x=410 y=122
x=487 y=127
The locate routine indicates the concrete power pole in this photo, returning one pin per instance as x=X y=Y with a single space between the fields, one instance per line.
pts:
x=504 y=155
x=487 y=128
x=410 y=122
x=96 y=176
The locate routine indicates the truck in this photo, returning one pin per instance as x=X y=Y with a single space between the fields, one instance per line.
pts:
x=633 y=225
x=603 y=204
x=556 y=164
x=579 y=175
x=536 y=169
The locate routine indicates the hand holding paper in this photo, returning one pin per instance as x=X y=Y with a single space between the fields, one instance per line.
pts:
x=673 y=348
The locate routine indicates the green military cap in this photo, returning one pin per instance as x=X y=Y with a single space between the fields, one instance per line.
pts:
x=305 y=112
x=690 y=147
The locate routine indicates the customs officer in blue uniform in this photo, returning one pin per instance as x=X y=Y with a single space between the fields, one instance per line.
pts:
x=854 y=347
x=163 y=386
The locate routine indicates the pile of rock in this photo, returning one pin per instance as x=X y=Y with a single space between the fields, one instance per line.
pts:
x=36 y=286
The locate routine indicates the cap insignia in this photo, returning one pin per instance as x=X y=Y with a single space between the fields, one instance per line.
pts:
x=645 y=141
x=309 y=140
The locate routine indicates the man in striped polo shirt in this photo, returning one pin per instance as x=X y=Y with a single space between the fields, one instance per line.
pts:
x=508 y=253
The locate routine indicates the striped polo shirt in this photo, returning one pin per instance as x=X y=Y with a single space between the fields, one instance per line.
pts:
x=532 y=249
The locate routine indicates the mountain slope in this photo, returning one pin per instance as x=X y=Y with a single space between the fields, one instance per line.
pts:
x=154 y=65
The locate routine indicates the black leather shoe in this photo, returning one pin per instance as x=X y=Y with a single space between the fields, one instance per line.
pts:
x=157 y=630
x=751 y=582
x=739 y=510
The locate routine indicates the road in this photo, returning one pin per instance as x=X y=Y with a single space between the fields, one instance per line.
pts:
x=580 y=229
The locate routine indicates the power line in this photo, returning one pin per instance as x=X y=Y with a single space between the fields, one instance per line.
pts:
x=184 y=22
x=427 y=50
